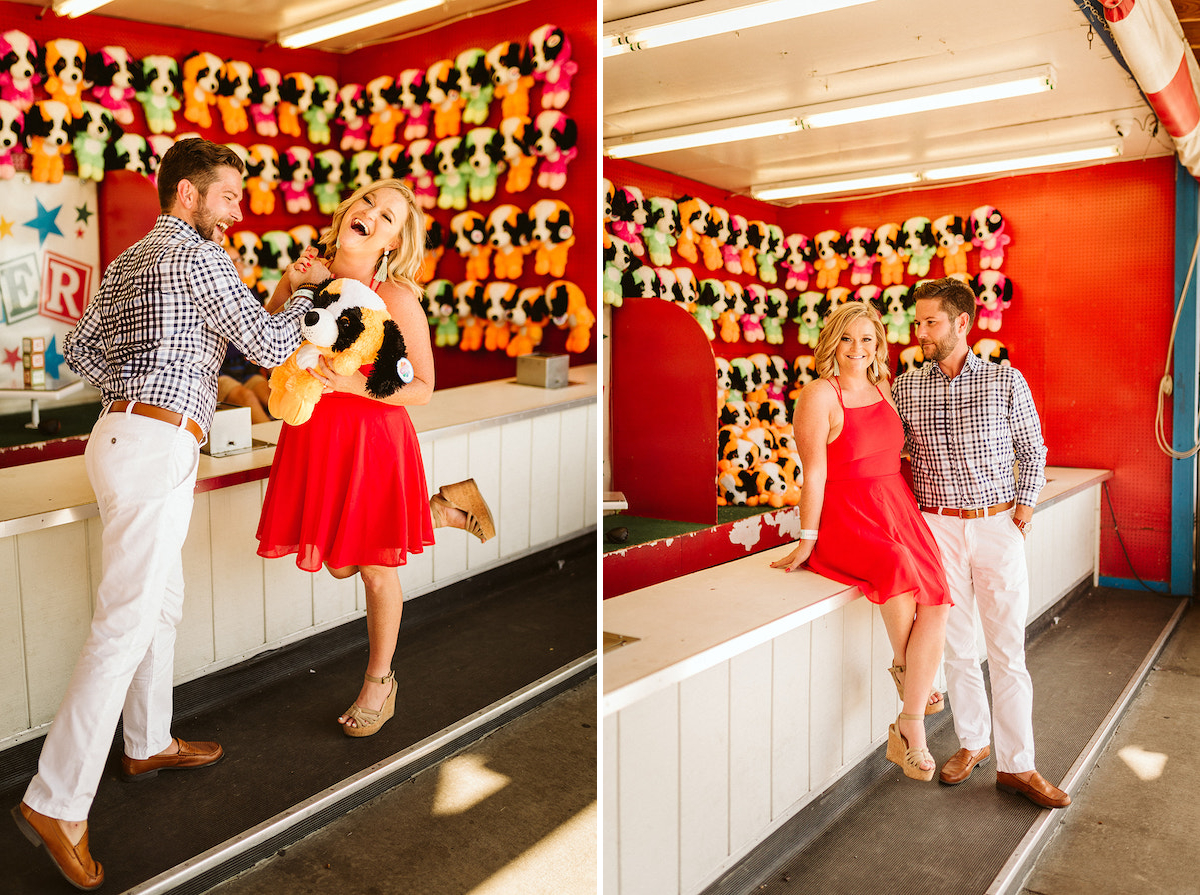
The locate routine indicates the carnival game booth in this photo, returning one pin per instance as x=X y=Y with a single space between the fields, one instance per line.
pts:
x=744 y=710
x=336 y=120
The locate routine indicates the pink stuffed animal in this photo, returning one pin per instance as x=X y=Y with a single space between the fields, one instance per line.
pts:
x=20 y=68
x=550 y=52
x=987 y=234
x=993 y=295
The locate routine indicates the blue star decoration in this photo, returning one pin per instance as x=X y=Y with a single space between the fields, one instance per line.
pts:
x=53 y=358
x=45 y=222
x=83 y=214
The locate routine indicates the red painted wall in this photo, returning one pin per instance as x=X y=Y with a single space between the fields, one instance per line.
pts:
x=129 y=207
x=1092 y=263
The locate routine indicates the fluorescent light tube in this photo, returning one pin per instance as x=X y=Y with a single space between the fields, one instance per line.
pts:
x=692 y=139
x=73 y=9
x=826 y=187
x=661 y=29
x=944 y=96
x=1063 y=155
x=355 y=19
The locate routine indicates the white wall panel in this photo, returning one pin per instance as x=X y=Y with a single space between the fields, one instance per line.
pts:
x=704 y=784
x=484 y=447
x=287 y=598
x=333 y=598
x=610 y=804
x=791 y=670
x=572 y=470
x=591 y=497
x=195 y=646
x=239 y=622
x=14 y=695
x=749 y=744
x=545 y=457
x=825 y=697
x=856 y=678
x=56 y=610
x=449 y=462
x=648 y=795
x=885 y=702
x=515 y=509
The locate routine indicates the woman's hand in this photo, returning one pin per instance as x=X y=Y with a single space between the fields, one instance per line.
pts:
x=306 y=270
x=796 y=558
x=335 y=382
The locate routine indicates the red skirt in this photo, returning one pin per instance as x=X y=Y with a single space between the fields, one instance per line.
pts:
x=347 y=488
x=873 y=536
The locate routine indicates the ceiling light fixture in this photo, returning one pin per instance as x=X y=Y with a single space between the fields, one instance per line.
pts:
x=73 y=9
x=708 y=17
x=689 y=138
x=1041 y=157
x=909 y=101
x=355 y=19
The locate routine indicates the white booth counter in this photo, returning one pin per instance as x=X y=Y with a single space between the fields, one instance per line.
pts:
x=736 y=695
x=533 y=452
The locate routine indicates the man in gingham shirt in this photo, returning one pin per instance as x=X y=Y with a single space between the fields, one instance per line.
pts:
x=966 y=422
x=152 y=340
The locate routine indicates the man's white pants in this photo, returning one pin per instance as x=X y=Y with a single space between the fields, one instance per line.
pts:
x=143 y=472
x=985 y=568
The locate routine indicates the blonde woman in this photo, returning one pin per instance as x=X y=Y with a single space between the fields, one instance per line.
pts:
x=347 y=488
x=860 y=523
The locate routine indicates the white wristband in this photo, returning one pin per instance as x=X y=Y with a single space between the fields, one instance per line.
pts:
x=808 y=534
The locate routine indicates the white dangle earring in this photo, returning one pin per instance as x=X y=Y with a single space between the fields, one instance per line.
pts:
x=382 y=273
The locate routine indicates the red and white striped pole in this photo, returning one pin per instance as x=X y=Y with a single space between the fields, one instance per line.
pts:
x=1149 y=37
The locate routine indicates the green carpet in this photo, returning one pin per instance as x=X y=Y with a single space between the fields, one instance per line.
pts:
x=72 y=419
x=640 y=530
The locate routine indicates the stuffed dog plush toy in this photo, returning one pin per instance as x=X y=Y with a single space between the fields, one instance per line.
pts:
x=445 y=98
x=449 y=177
x=65 y=61
x=48 y=134
x=474 y=84
x=329 y=170
x=993 y=295
x=157 y=81
x=91 y=134
x=551 y=235
x=421 y=161
x=992 y=351
x=296 y=178
x=661 y=229
x=629 y=216
x=529 y=321
x=435 y=247
x=862 y=250
x=569 y=310
x=264 y=100
x=322 y=109
x=887 y=252
x=471 y=242
x=200 y=75
x=110 y=72
x=986 y=227
x=499 y=301
x=797 y=261
x=518 y=137
x=295 y=98
x=361 y=168
x=20 y=68
x=352 y=116
x=12 y=137
x=441 y=309
x=692 y=212
x=898 y=313
x=830 y=252
x=383 y=111
x=413 y=96
x=262 y=177
x=470 y=309
x=233 y=95
x=917 y=244
x=554 y=141
x=512 y=76
x=350 y=327
x=952 y=243
x=508 y=232
x=482 y=152
x=550 y=54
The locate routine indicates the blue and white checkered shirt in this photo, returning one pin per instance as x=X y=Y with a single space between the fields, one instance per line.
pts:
x=157 y=329
x=964 y=434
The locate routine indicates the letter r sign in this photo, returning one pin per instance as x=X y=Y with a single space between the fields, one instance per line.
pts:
x=65 y=288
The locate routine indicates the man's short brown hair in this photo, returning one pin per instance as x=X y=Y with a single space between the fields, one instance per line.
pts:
x=952 y=294
x=197 y=161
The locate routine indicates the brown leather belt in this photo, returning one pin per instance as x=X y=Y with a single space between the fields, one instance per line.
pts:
x=969 y=514
x=158 y=413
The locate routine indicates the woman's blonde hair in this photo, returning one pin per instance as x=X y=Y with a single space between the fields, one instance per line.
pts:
x=405 y=263
x=835 y=327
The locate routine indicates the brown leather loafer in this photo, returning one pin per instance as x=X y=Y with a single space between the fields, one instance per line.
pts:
x=74 y=862
x=1037 y=789
x=190 y=755
x=960 y=765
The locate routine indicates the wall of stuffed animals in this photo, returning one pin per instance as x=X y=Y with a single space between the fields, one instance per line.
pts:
x=1045 y=253
x=490 y=120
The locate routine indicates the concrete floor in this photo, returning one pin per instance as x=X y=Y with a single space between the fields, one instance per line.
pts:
x=514 y=813
x=1132 y=828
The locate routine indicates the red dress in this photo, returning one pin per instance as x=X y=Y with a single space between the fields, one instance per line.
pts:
x=872 y=533
x=347 y=488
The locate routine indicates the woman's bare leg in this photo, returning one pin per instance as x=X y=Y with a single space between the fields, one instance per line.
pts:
x=385 y=606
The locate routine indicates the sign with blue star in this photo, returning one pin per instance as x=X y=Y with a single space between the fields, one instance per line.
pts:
x=46 y=222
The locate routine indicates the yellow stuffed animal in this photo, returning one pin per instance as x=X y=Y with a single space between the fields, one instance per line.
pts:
x=349 y=326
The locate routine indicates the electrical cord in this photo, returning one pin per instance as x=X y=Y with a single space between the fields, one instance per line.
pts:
x=1121 y=541
x=1165 y=385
